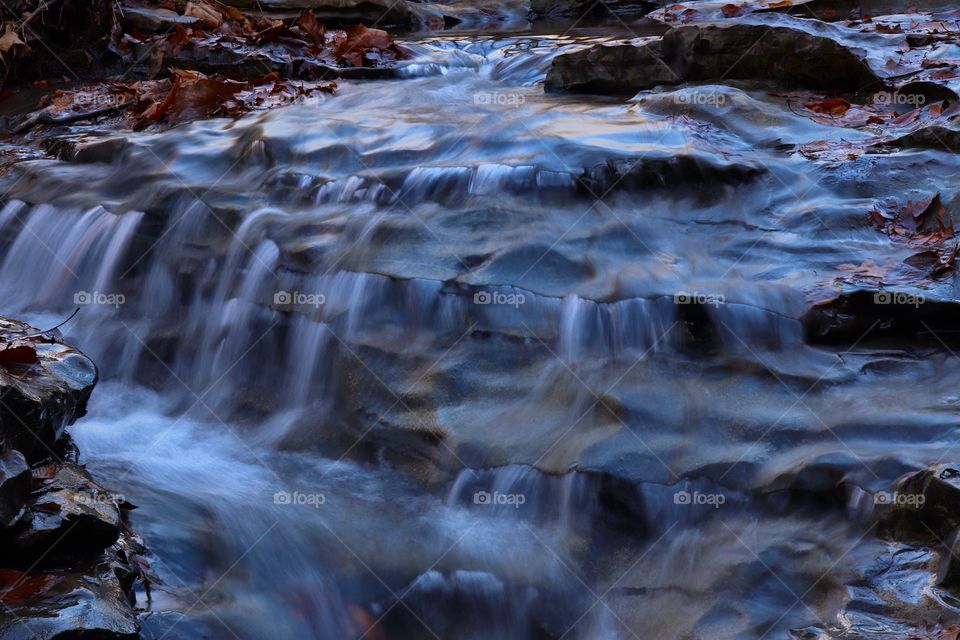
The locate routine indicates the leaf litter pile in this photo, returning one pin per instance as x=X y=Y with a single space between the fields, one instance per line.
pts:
x=204 y=59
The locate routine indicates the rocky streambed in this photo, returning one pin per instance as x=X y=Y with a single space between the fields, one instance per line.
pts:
x=69 y=561
x=637 y=322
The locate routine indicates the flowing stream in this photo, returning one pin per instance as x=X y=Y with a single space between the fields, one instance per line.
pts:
x=449 y=357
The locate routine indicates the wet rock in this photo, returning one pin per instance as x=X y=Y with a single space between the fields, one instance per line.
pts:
x=922 y=93
x=71 y=516
x=371 y=12
x=15 y=482
x=39 y=401
x=923 y=506
x=711 y=52
x=616 y=69
x=948 y=575
x=934 y=137
x=665 y=172
x=851 y=316
x=580 y=7
x=154 y=20
x=88 y=603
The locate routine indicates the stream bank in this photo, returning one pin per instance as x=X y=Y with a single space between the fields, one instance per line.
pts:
x=69 y=560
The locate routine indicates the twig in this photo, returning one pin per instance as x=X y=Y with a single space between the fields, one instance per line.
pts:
x=69 y=318
x=44 y=116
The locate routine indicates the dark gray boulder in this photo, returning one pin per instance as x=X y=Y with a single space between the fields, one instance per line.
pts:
x=38 y=401
x=713 y=53
x=923 y=506
x=71 y=515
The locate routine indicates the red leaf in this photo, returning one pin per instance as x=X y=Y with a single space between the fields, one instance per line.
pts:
x=730 y=10
x=18 y=354
x=836 y=106
x=17 y=586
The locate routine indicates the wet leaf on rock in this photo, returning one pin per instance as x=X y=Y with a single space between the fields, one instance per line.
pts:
x=919 y=223
x=45 y=472
x=17 y=354
x=837 y=106
x=17 y=586
x=935 y=262
x=358 y=41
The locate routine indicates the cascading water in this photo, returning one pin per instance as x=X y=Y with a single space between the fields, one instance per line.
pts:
x=439 y=358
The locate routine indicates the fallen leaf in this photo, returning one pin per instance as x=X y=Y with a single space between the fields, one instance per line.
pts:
x=308 y=22
x=204 y=13
x=9 y=40
x=730 y=10
x=17 y=354
x=836 y=106
x=44 y=472
x=17 y=586
x=919 y=223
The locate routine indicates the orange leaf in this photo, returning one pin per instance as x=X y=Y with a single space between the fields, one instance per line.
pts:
x=836 y=106
x=16 y=586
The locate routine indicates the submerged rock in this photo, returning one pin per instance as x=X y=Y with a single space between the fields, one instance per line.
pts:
x=714 y=52
x=932 y=137
x=851 y=316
